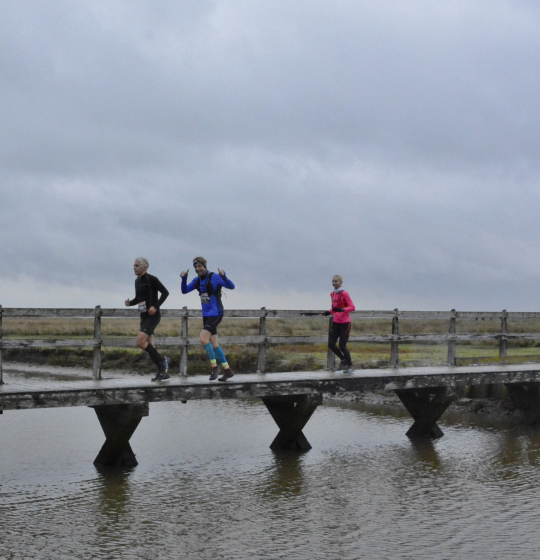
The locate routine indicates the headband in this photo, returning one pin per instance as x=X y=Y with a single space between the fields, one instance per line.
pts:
x=198 y=262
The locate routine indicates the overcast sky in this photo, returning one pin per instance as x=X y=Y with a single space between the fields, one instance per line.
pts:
x=394 y=142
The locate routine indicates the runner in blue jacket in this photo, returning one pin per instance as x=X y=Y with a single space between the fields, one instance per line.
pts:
x=209 y=286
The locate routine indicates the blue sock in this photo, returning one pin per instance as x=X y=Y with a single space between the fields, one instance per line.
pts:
x=220 y=355
x=210 y=351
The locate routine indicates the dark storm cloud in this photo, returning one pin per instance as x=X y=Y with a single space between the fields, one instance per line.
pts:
x=395 y=144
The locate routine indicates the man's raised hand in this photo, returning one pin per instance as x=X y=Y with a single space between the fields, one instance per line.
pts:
x=183 y=274
x=221 y=272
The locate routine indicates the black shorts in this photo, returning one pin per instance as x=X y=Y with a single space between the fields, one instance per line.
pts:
x=149 y=322
x=210 y=323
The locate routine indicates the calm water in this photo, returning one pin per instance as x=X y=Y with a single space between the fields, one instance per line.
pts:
x=208 y=486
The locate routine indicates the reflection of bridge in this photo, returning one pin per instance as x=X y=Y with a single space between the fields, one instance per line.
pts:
x=291 y=398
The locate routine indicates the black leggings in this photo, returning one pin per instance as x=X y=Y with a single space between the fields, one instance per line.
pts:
x=341 y=331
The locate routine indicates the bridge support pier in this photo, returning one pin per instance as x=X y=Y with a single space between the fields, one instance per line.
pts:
x=291 y=413
x=526 y=396
x=426 y=406
x=119 y=422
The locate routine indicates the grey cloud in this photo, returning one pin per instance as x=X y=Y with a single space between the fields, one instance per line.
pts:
x=287 y=234
x=396 y=144
x=449 y=85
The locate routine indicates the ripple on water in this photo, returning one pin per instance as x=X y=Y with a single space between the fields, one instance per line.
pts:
x=208 y=487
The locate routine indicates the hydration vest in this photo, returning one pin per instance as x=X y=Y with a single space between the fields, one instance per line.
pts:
x=210 y=290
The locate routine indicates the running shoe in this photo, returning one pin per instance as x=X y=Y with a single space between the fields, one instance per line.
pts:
x=349 y=369
x=161 y=377
x=227 y=374
x=214 y=374
x=342 y=365
x=163 y=372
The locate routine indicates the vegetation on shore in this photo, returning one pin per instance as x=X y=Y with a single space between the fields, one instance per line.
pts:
x=243 y=358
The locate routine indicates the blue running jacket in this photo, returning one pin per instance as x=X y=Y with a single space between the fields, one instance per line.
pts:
x=211 y=306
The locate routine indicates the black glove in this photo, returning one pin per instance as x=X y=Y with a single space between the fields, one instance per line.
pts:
x=338 y=309
x=326 y=313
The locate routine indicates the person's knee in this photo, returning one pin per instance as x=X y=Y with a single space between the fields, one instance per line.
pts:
x=204 y=337
x=142 y=341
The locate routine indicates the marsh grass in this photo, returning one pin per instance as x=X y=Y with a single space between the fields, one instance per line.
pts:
x=285 y=357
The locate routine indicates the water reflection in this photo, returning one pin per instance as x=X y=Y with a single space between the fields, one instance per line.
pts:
x=285 y=475
x=208 y=486
x=517 y=453
x=113 y=492
x=424 y=452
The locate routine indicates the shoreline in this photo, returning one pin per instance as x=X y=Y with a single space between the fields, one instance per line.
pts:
x=495 y=407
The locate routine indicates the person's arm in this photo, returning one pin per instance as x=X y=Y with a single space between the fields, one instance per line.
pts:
x=350 y=305
x=221 y=279
x=186 y=288
x=163 y=291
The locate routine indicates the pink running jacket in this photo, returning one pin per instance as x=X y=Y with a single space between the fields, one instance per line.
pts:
x=341 y=299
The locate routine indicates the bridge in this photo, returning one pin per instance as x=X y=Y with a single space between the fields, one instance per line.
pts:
x=291 y=398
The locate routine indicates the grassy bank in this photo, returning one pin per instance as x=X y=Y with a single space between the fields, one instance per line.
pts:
x=243 y=358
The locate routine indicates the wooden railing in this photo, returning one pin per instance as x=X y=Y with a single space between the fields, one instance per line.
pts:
x=263 y=340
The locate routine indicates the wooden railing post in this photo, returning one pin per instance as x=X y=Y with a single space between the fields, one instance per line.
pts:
x=452 y=343
x=97 y=343
x=261 y=357
x=264 y=339
x=503 y=342
x=1 y=375
x=394 y=345
x=330 y=356
x=185 y=344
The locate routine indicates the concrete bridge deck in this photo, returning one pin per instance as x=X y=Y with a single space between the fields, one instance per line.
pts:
x=291 y=398
x=24 y=394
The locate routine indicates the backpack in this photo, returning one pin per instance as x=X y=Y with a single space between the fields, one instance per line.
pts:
x=210 y=290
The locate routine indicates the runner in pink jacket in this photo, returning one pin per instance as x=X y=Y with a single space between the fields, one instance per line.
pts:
x=342 y=305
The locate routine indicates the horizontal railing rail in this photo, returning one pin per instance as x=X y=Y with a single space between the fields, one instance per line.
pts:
x=262 y=339
x=126 y=342
x=88 y=313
